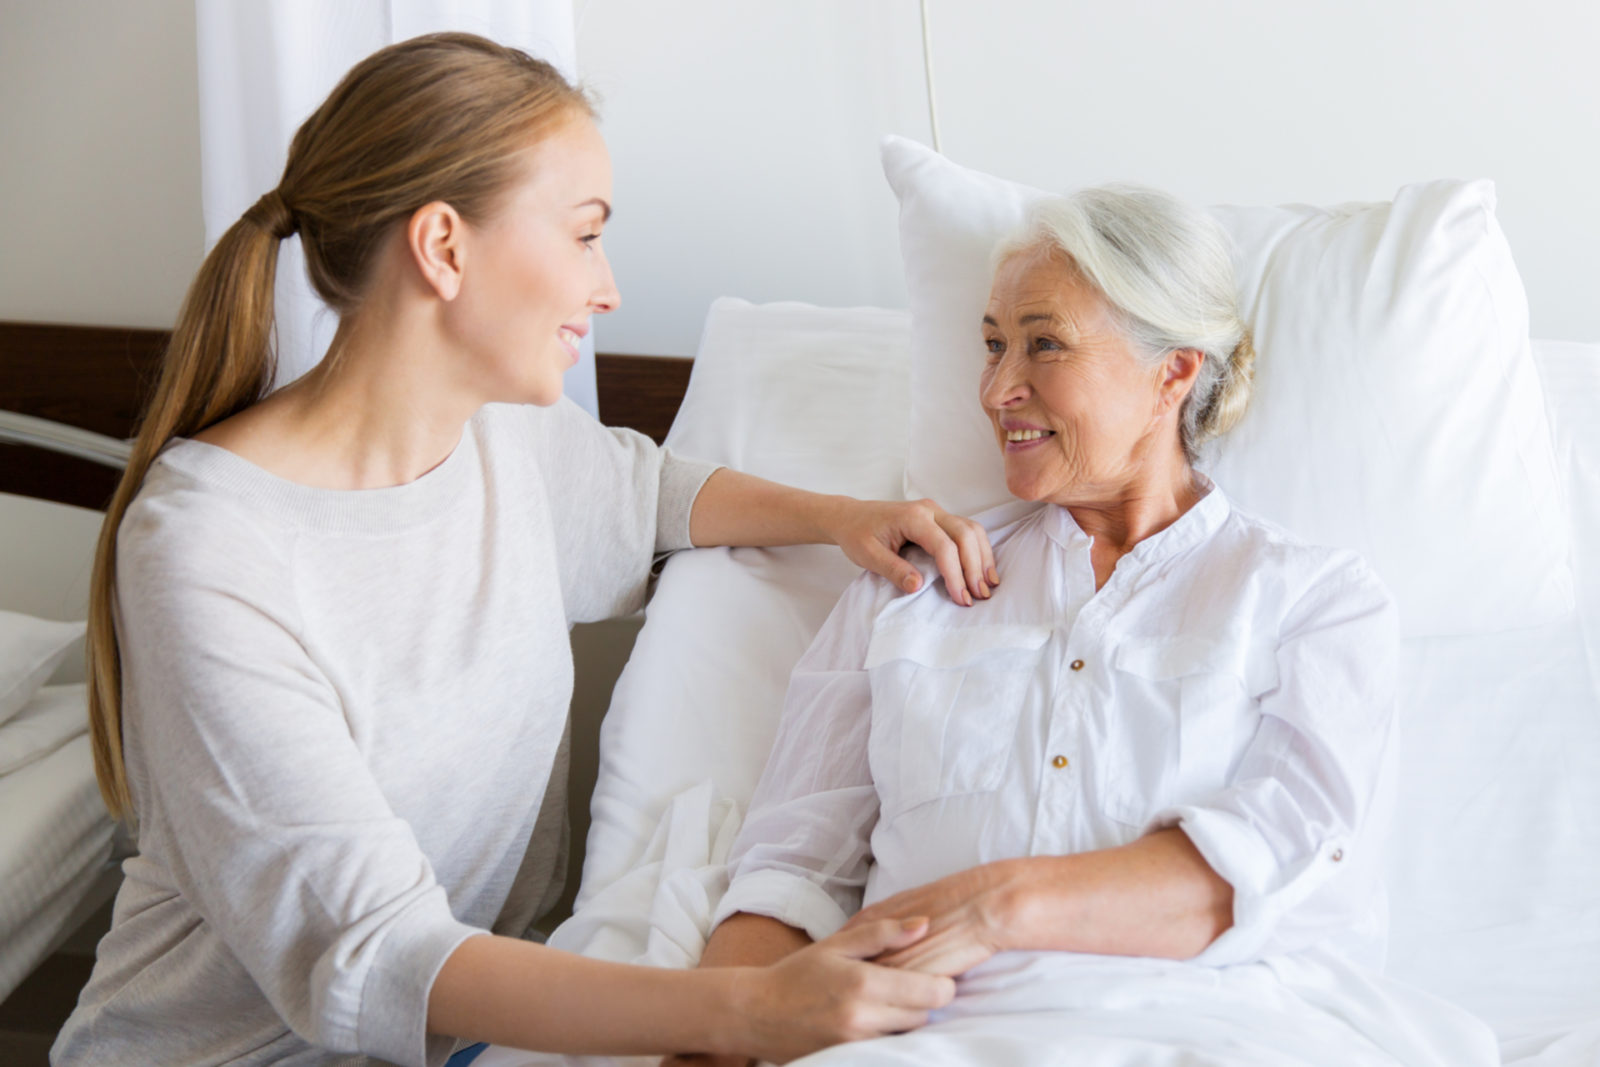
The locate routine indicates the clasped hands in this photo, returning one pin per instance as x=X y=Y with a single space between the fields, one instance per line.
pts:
x=967 y=917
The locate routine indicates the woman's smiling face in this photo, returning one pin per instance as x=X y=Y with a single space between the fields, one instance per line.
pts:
x=1075 y=410
x=540 y=271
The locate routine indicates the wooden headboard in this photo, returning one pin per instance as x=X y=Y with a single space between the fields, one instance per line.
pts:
x=97 y=378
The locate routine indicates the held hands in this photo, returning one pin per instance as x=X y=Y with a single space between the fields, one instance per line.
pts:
x=971 y=916
x=872 y=532
x=826 y=993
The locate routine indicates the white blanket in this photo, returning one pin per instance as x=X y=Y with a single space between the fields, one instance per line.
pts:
x=1038 y=1008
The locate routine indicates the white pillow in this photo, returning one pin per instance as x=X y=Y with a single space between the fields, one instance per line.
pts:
x=1397 y=410
x=809 y=396
x=814 y=397
x=30 y=650
x=52 y=718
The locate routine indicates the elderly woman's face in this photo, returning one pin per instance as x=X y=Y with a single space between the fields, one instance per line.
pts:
x=1074 y=409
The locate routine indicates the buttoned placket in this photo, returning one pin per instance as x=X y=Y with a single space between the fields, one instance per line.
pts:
x=1080 y=656
x=1070 y=693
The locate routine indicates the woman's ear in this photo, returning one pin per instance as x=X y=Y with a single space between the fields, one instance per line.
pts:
x=1178 y=372
x=436 y=237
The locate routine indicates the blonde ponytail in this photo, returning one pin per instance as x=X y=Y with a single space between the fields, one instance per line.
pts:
x=447 y=116
x=218 y=362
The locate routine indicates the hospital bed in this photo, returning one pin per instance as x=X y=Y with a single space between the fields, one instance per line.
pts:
x=1494 y=866
x=65 y=403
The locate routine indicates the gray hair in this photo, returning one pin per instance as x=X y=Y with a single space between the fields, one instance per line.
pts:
x=1165 y=269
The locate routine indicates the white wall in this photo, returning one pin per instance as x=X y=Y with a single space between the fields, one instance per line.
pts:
x=744 y=134
x=744 y=144
x=99 y=160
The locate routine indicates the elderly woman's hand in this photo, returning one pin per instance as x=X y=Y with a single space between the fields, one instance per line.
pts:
x=872 y=532
x=971 y=917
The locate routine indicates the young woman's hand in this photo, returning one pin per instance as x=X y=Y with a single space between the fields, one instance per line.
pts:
x=970 y=919
x=872 y=532
x=826 y=993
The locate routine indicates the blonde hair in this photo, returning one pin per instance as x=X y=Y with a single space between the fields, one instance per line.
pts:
x=440 y=117
x=1166 y=271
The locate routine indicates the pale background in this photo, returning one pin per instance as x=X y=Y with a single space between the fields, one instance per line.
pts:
x=745 y=134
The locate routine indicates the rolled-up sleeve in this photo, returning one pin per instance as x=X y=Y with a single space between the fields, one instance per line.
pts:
x=803 y=854
x=1302 y=814
x=264 y=812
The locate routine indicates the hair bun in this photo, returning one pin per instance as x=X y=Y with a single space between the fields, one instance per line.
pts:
x=1233 y=391
x=272 y=214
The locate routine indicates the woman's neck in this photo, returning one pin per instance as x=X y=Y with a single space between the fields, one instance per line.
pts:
x=382 y=409
x=1153 y=496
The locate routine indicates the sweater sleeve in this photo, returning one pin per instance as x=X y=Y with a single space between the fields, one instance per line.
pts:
x=618 y=502
x=257 y=801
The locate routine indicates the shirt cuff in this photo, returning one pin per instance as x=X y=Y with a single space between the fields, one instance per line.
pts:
x=681 y=480
x=393 y=1024
x=789 y=898
x=1264 y=888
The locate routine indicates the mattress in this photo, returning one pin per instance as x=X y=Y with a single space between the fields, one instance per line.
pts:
x=56 y=847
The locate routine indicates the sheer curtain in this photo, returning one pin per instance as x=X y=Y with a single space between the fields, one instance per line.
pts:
x=265 y=66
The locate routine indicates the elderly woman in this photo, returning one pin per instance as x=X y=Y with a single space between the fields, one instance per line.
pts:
x=1168 y=736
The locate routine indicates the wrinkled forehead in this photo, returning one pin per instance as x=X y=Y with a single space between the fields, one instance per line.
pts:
x=1043 y=284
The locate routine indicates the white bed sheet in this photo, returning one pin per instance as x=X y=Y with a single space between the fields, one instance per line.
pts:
x=56 y=843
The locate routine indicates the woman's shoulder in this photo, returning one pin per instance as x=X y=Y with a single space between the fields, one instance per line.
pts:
x=181 y=496
x=1295 y=562
x=182 y=528
x=572 y=451
x=525 y=423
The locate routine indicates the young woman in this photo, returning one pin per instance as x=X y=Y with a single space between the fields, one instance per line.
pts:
x=329 y=657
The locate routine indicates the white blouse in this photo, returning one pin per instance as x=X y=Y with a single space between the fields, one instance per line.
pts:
x=1227 y=679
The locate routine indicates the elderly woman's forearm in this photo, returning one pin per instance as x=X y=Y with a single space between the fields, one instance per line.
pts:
x=1154 y=897
x=746 y=940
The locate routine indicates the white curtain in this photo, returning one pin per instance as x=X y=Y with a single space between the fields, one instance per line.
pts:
x=265 y=66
